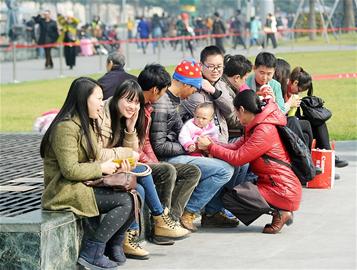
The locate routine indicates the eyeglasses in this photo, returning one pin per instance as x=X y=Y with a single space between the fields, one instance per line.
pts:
x=213 y=67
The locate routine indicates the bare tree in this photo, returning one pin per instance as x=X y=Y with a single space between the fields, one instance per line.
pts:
x=312 y=20
x=349 y=16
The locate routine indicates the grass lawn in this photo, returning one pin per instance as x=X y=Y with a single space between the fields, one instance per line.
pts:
x=338 y=39
x=22 y=103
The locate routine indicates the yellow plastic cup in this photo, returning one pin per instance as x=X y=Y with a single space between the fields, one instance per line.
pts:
x=130 y=159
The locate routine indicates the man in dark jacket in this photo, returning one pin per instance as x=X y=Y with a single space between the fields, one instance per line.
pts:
x=115 y=75
x=48 y=34
x=165 y=128
x=219 y=28
x=237 y=26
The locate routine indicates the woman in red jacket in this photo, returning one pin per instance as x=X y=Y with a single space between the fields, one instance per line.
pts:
x=277 y=184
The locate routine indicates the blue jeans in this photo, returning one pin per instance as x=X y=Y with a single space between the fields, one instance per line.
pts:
x=239 y=176
x=215 y=174
x=147 y=191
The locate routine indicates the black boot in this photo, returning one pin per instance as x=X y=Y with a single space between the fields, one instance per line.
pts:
x=114 y=250
x=340 y=163
x=92 y=256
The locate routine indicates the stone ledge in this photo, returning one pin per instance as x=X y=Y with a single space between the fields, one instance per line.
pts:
x=40 y=240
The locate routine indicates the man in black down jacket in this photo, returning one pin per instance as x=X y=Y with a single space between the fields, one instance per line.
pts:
x=115 y=75
x=165 y=128
x=48 y=34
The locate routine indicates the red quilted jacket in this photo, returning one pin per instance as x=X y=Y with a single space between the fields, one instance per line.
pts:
x=277 y=183
x=147 y=154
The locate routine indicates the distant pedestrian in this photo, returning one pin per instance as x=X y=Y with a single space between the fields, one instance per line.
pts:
x=184 y=29
x=237 y=28
x=270 y=30
x=130 y=27
x=219 y=28
x=156 y=28
x=143 y=32
x=69 y=35
x=48 y=34
x=255 y=31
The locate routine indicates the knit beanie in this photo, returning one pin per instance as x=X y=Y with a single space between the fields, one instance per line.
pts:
x=189 y=72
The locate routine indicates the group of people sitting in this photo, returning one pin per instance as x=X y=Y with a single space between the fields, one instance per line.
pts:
x=202 y=131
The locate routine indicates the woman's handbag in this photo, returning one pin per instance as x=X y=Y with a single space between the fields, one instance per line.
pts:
x=123 y=181
x=314 y=110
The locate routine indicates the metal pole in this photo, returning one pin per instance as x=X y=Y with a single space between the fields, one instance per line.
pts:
x=14 y=63
x=127 y=55
x=183 y=48
x=292 y=35
x=159 y=51
x=60 y=60
x=100 y=59
x=324 y=25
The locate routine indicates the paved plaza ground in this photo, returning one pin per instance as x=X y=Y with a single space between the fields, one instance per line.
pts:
x=323 y=235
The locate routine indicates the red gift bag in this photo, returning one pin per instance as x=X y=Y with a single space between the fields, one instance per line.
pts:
x=324 y=159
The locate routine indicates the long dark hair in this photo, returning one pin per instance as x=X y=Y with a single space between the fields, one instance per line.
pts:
x=304 y=80
x=130 y=89
x=281 y=74
x=249 y=100
x=75 y=104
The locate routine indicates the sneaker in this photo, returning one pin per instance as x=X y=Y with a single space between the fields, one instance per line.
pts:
x=187 y=220
x=340 y=163
x=132 y=248
x=229 y=214
x=219 y=220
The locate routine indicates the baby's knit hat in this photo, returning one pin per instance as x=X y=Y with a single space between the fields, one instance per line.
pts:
x=189 y=72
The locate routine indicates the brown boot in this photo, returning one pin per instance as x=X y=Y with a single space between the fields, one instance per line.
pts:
x=280 y=218
x=166 y=227
x=131 y=246
x=187 y=221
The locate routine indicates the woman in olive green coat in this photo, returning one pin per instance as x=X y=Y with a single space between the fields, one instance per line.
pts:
x=70 y=151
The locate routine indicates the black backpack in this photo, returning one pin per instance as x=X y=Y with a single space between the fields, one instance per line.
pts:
x=301 y=161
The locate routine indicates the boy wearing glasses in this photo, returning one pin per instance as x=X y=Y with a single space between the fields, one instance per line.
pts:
x=212 y=70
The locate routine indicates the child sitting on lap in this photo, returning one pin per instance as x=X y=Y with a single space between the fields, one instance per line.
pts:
x=201 y=125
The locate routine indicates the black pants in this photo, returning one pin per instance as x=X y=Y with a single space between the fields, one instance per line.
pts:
x=49 y=62
x=238 y=40
x=174 y=185
x=118 y=210
x=219 y=44
x=307 y=132
x=322 y=136
x=271 y=36
x=70 y=55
